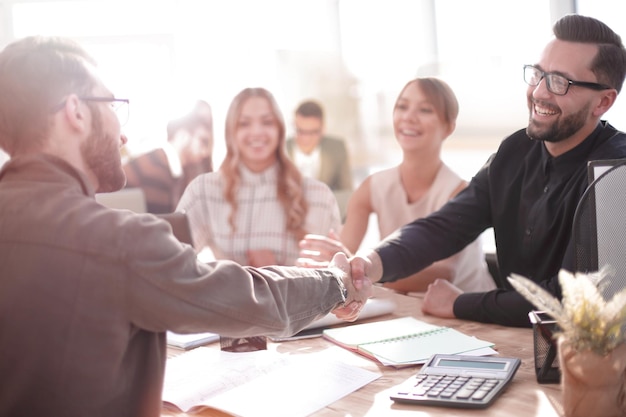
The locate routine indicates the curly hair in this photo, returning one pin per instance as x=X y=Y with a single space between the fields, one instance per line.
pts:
x=289 y=185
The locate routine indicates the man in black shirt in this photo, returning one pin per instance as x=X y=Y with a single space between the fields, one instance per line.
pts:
x=529 y=189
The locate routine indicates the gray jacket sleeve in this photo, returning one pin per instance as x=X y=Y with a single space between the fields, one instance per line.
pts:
x=166 y=288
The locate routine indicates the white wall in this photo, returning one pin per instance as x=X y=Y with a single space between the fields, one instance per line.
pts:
x=353 y=55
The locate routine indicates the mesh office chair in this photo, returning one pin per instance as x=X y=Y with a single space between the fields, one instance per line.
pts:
x=599 y=233
x=599 y=228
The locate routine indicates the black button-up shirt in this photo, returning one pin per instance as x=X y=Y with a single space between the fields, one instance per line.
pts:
x=529 y=198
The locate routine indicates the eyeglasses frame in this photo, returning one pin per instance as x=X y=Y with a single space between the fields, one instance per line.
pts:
x=121 y=101
x=585 y=84
x=99 y=99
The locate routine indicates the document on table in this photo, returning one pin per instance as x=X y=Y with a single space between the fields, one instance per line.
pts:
x=405 y=341
x=190 y=341
x=259 y=383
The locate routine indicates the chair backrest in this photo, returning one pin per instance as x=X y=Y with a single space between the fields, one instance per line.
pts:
x=599 y=227
x=180 y=225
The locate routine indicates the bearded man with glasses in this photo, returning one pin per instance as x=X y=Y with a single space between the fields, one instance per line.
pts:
x=529 y=189
x=87 y=293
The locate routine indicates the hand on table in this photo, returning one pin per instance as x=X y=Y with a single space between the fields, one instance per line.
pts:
x=439 y=299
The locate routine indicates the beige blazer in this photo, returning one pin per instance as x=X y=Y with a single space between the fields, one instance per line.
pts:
x=335 y=170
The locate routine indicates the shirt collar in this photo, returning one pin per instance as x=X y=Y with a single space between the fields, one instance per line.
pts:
x=257 y=178
x=46 y=168
x=573 y=157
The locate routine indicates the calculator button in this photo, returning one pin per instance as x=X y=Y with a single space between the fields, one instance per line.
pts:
x=465 y=393
x=480 y=394
x=447 y=393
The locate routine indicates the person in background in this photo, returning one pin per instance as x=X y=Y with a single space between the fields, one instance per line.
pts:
x=318 y=155
x=424 y=116
x=257 y=206
x=87 y=293
x=163 y=173
x=529 y=189
x=4 y=157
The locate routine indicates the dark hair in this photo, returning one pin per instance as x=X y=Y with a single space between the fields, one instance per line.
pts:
x=310 y=108
x=609 y=64
x=36 y=73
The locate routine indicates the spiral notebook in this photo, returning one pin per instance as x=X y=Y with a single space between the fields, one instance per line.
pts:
x=406 y=341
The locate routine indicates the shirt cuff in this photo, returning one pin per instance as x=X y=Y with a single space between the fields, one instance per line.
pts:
x=338 y=274
x=467 y=305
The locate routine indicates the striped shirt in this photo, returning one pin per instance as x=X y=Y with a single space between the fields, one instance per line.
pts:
x=260 y=218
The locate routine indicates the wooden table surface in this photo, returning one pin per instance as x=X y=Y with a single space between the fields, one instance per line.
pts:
x=523 y=397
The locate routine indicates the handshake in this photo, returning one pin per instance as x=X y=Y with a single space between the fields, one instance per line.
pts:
x=357 y=273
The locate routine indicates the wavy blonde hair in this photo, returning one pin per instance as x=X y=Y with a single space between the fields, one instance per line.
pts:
x=289 y=185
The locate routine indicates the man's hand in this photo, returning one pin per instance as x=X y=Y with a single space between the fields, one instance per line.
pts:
x=439 y=299
x=357 y=297
x=316 y=251
x=366 y=269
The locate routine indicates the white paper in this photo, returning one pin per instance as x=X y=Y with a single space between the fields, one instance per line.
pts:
x=188 y=341
x=260 y=383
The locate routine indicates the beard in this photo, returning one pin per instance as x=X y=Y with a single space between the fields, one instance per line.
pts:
x=559 y=130
x=102 y=155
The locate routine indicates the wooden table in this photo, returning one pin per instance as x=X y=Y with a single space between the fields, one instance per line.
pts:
x=523 y=397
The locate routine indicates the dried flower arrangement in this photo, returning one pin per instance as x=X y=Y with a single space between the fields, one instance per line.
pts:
x=585 y=318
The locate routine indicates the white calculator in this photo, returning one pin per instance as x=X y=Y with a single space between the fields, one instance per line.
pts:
x=458 y=381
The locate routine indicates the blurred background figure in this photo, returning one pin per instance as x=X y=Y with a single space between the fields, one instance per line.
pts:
x=257 y=206
x=318 y=155
x=424 y=116
x=3 y=157
x=163 y=173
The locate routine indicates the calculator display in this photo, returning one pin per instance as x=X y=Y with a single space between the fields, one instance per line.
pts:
x=500 y=366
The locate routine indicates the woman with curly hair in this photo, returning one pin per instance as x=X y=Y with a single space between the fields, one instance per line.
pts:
x=257 y=206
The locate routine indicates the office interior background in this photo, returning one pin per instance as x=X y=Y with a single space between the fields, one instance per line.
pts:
x=353 y=56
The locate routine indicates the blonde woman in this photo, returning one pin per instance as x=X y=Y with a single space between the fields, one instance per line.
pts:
x=423 y=117
x=257 y=206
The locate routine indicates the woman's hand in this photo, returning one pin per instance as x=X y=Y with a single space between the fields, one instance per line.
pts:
x=316 y=251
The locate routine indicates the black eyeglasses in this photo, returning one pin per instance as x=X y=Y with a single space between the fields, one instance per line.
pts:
x=556 y=83
x=118 y=105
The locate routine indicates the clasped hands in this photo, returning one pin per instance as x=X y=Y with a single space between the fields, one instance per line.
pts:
x=358 y=286
x=315 y=250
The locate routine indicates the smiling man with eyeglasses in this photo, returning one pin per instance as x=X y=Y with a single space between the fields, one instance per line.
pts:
x=529 y=189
